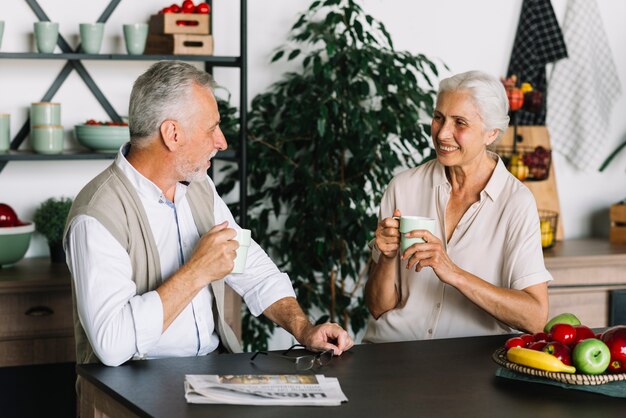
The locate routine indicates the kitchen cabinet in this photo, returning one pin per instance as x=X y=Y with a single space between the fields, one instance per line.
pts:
x=586 y=272
x=36 y=322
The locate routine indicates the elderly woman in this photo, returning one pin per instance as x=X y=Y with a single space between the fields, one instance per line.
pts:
x=482 y=271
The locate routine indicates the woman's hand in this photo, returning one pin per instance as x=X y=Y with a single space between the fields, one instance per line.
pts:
x=388 y=236
x=430 y=254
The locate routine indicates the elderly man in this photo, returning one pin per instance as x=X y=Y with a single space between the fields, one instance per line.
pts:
x=150 y=244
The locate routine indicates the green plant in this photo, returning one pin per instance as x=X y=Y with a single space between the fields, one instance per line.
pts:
x=324 y=143
x=50 y=218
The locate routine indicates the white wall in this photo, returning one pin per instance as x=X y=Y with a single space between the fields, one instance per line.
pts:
x=464 y=34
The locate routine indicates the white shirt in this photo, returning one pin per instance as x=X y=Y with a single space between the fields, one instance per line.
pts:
x=119 y=323
x=498 y=239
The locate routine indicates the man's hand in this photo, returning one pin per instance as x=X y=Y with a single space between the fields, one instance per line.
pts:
x=215 y=252
x=329 y=336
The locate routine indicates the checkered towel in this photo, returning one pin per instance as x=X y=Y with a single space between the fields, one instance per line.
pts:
x=583 y=88
x=538 y=41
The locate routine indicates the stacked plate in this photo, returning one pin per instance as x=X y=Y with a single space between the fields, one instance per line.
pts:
x=102 y=138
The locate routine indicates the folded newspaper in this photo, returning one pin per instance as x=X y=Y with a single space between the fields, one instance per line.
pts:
x=254 y=389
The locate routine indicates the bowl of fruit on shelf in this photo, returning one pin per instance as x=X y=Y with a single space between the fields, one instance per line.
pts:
x=527 y=163
x=568 y=352
x=102 y=136
x=14 y=236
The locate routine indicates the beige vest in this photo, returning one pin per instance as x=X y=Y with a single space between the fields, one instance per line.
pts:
x=112 y=200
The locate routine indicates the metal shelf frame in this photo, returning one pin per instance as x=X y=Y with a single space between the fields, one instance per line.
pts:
x=74 y=58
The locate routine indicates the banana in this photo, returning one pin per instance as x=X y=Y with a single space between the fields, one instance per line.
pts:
x=537 y=360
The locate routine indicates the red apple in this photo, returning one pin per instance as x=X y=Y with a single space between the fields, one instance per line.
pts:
x=563 y=333
x=8 y=217
x=540 y=336
x=515 y=342
x=560 y=351
x=615 y=339
x=582 y=333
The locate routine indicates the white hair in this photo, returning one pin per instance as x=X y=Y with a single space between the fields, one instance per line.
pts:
x=488 y=94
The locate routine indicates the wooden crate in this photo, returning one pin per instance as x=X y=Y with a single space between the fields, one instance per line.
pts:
x=179 y=44
x=617 y=214
x=172 y=23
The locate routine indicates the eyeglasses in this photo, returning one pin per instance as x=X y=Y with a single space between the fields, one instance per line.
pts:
x=302 y=362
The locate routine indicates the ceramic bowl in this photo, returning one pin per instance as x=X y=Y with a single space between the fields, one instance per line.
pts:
x=102 y=138
x=14 y=242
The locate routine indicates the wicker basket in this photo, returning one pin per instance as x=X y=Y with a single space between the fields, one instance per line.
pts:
x=549 y=221
x=537 y=160
x=499 y=356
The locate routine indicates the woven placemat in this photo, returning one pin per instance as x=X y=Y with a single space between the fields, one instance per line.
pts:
x=499 y=356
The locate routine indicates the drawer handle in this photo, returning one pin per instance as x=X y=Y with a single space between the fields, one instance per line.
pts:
x=39 y=311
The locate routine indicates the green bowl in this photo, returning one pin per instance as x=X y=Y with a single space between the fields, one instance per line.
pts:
x=102 y=138
x=14 y=242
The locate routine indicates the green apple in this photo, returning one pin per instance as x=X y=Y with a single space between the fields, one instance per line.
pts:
x=564 y=318
x=591 y=356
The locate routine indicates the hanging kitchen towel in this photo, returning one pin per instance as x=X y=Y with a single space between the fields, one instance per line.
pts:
x=583 y=88
x=538 y=41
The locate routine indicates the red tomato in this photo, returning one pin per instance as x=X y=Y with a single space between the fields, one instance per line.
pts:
x=528 y=339
x=167 y=10
x=188 y=6
x=563 y=333
x=203 y=8
x=515 y=342
x=539 y=345
x=175 y=8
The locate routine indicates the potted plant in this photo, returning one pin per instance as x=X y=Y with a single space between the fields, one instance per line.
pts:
x=324 y=143
x=50 y=218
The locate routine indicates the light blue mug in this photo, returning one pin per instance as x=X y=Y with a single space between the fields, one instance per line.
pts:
x=91 y=35
x=135 y=36
x=1 y=31
x=5 y=132
x=47 y=139
x=45 y=113
x=412 y=223
x=46 y=35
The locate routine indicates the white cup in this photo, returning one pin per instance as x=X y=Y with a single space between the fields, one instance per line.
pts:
x=244 y=237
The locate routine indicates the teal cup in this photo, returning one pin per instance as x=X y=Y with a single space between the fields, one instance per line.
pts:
x=46 y=35
x=412 y=223
x=244 y=237
x=47 y=139
x=5 y=132
x=135 y=36
x=1 y=31
x=91 y=35
x=45 y=113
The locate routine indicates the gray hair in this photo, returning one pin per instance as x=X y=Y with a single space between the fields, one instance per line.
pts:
x=488 y=94
x=162 y=92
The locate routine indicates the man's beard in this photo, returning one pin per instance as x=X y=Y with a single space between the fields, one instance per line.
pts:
x=189 y=171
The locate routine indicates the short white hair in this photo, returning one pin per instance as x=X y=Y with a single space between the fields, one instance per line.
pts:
x=488 y=94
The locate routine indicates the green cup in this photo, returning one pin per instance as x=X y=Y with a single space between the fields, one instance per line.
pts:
x=412 y=223
x=5 y=132
x=244 y=237
x=135 y=36
x=46 y=35
x=47 y=139
x=45 y=113
x=91 y=35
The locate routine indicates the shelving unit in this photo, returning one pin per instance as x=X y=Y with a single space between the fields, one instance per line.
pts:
x=74 y=60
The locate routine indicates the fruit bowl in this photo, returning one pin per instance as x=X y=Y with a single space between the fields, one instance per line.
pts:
x=499 y=356
x=527 y=163
x=14 y=242
x=548 y=222
x=102 y=138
